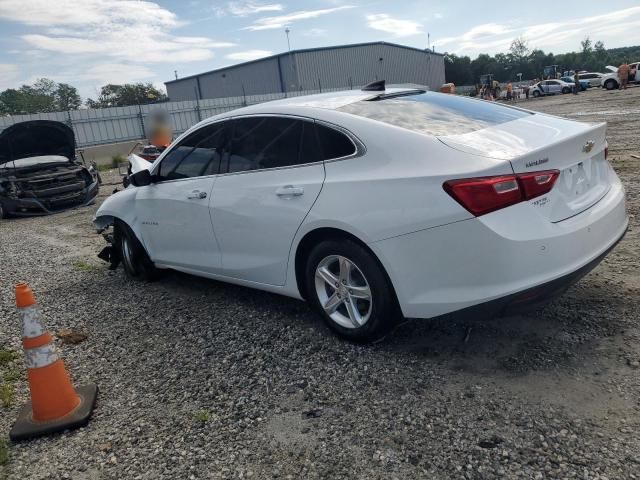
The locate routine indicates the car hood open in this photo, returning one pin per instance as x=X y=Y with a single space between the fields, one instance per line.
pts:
x=36 y=138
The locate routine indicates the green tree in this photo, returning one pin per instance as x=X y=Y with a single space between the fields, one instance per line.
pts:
x=67 y=97
x=519 y=50
x=128 y=94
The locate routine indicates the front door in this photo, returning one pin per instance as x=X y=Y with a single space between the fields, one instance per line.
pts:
x=173 y=213
x=269 y=182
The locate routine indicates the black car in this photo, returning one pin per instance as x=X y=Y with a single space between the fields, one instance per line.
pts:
x=39 y=172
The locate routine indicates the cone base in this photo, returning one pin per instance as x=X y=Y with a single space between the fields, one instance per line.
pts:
x=25 y=428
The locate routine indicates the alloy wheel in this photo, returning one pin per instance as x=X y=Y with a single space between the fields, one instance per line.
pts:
x=127 y=255
x=343 y=291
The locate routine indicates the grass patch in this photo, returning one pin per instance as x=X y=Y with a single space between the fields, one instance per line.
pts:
x=7 y=356
x=85 y=266
x=6 y=394
x=118 y=160
x=202 y=416
x=4 y=451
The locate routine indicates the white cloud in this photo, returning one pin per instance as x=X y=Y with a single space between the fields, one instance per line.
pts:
x=9 y=73
x=242 y=9
x=315 y=32
x=281 y=21
x=123 y=30
x=559 y=36
x=249 y=55
x=394 y=26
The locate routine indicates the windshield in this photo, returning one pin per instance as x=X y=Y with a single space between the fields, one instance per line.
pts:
x=435 y=113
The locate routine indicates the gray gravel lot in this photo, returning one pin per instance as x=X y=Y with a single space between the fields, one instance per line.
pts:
x=201 y=379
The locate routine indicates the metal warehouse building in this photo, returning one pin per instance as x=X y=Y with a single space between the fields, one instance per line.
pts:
x=345 y=66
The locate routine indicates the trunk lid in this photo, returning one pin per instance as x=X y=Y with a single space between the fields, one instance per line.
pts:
x=542 y=142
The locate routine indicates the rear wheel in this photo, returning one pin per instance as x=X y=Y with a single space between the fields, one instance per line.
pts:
x=137 y=264
x=610 y=84
x=536 y=93
x=348 y=287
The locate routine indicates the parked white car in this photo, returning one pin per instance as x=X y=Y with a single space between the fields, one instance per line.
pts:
x=610 y=81
x=373 y=205
x=550 y=87
x=594 y=79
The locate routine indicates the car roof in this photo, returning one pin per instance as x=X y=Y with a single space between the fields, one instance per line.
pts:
x=330 y=100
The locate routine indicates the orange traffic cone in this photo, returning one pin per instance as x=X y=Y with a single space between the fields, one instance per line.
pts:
x=55 y=405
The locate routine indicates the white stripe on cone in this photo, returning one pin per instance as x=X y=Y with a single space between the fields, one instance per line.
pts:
x=31 y=326
x=40 y=356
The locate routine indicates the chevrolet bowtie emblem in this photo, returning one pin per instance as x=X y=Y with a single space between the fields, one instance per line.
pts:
x=587 y=147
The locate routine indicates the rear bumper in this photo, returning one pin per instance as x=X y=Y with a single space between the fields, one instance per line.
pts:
x=501 y=260
x=28 y=207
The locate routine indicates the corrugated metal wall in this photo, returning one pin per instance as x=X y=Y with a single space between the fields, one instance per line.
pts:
x=345 y=67
x=121 y=124
x=359 y=65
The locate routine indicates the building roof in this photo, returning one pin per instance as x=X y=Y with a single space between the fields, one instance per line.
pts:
x=304 y=50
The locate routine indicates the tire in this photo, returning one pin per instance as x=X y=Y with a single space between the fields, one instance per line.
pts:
x=610 y=84
x=3 y=212
x=566 y=90
x=137 y=264
x=353 y=318
x=536 y=94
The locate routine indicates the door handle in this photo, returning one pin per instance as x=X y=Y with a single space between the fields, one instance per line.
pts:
x=290 y=191
x=197 y=194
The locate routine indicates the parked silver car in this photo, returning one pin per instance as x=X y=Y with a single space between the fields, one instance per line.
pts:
x=594 y=79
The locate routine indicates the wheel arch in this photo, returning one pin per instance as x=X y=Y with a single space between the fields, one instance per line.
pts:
x=320 y=234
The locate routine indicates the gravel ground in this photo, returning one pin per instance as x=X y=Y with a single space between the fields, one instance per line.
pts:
x=199 y=379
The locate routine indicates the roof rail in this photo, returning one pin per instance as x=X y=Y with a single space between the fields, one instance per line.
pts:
x=377 y=86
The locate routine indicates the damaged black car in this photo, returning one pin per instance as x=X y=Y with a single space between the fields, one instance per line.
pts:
x=39 y=171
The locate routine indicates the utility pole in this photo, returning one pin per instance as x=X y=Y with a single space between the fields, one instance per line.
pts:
x=175 y=72
x=287 y=31
x=428 y=40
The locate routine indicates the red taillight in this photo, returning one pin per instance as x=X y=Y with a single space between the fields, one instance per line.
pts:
x=488 y=194
x=535 y=184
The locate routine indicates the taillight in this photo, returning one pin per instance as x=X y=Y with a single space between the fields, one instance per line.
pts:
x=535 y=184
x=487 y=194
x=606 y=149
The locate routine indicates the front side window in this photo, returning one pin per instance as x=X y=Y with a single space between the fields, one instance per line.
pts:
x=269 y=142
x=197 y=155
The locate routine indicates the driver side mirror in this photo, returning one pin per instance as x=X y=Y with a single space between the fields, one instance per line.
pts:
x=141 y=178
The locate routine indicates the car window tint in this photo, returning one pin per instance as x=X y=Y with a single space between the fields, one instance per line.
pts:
x=264 y=142
x=435 y=114
x=334 y=144
x=309 y=147
x=197 y=155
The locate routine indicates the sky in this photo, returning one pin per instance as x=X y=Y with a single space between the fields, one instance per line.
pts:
x=89 y=43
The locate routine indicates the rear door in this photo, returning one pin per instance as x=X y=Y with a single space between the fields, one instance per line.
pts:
x=270 y=179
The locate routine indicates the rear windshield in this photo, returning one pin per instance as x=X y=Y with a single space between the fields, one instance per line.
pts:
x=435 y=113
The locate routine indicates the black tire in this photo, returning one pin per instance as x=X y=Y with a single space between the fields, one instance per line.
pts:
x=536 y=94
x=566 y=90
x=3 y=212
x=610 y=84
x=384 y=312
x=137 y=264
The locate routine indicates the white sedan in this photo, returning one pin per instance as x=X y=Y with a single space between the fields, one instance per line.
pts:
x=550 y=87
x=376 y=205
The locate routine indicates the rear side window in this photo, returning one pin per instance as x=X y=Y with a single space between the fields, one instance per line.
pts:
x=270 y=142
x=197 y=155
x=435 y=113
x=334 y=144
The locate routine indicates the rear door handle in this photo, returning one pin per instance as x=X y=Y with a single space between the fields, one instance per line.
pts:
x=197 y=194
x=290 y=191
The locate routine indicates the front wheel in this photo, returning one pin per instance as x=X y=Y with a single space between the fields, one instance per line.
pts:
x=137 y=264
x=536 y=94
x=348 y=287
x=566 y=90
x=610 y=85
